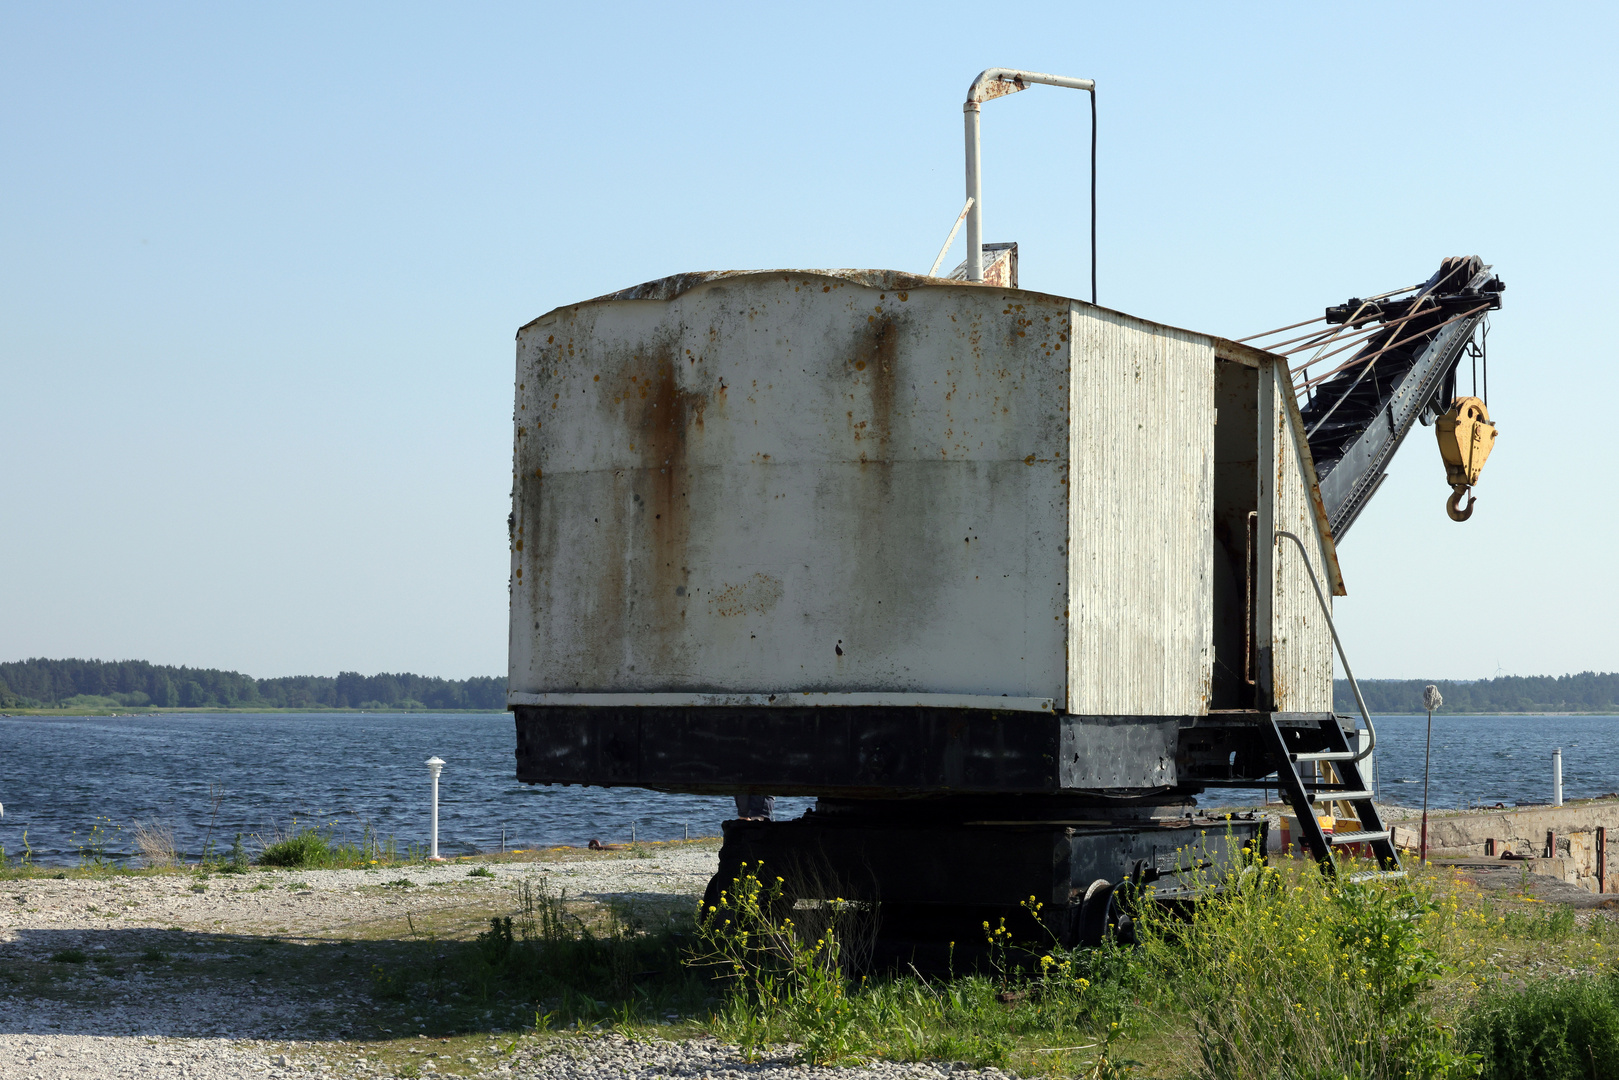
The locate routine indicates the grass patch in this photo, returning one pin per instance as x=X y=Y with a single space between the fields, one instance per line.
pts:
x=1280 y=973
x=69 y=956
x=312 y=848
x=1552 y=1029
x=307 y=848
x=1283 y=974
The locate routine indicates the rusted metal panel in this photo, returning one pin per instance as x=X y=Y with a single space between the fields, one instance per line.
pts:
x=844 y=482
x=1141 y=445
x=1301 y=641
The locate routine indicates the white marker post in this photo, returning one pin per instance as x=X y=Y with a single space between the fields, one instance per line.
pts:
x=435 y=765
x=1431 y=700
x=1557 y=777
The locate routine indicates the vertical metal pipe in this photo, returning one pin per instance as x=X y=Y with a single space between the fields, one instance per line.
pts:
x=1557 y=777
x=1427 y=756
x=975 y=195
x=1093 y=194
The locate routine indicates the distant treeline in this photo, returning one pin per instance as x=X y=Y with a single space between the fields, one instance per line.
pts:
x=1587 y=692
x=54 y=683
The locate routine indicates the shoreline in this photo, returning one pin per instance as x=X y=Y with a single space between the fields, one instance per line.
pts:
x=206 y=710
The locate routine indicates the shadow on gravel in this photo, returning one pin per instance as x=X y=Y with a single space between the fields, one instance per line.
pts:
x=550 y=965
x=118 y=981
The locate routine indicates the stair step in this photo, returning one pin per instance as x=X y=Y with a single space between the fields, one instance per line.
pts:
x=1359 y=837
x=1376 y=875
x=1320 y=796
x=1325 y=755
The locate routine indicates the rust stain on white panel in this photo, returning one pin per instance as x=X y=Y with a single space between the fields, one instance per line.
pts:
x=1301 y=640
x=1141 y=506
x=792 y=481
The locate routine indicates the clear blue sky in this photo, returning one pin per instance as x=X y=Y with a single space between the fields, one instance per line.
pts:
x=260 y=269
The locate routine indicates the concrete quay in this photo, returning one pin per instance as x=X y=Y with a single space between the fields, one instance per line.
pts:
x=1568 y=842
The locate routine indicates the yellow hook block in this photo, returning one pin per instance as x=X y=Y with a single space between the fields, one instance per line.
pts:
x=1466 y=438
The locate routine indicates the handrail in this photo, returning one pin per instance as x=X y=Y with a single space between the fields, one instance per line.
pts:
x=1371 y=732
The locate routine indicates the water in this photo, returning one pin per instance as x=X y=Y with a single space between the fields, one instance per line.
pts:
x=1484 y=760
x=60 y=775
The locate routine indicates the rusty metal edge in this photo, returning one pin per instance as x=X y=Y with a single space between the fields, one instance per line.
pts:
x=1246 y=355
x=675 y=285
x=1323 y=525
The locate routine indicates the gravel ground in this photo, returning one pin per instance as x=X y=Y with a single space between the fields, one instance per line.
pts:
x=266 y=973
x=61 y=1057
x=55 y=914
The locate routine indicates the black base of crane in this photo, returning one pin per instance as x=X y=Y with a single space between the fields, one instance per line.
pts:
x=930 y=873
x=890 y=752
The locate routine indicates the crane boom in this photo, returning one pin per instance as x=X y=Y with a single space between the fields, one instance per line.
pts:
x=1357 y=416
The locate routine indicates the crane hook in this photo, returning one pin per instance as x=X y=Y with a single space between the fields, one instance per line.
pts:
x=1453 y=505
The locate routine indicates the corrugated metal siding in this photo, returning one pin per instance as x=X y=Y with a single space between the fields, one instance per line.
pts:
x=792 y=481
x=1302 y=642
x=1141 y=506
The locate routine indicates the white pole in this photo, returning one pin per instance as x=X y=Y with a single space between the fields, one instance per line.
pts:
x=1557 y=777
x=435 y=765
x=975 y=197
x=951 y=239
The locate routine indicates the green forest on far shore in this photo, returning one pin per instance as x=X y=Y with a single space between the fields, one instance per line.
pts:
x=105 y=684
x=1587 y=692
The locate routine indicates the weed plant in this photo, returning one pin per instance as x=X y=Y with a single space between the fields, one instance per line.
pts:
x=93 y=853
x=784 y=979
x=1552 y=1029
x=1298 y=974
x=788 y=977
x=155 y=841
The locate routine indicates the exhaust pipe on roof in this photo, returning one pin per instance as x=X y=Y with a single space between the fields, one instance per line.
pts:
x=998 y=82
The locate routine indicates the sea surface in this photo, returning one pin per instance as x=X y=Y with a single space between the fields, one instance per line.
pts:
x=212 y=776
x=1484 y=760
x=61 y=777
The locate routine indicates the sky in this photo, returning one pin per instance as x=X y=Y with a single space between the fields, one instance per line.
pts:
x=261 y=267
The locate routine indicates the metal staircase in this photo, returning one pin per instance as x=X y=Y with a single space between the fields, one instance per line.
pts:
x=1342 y=784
